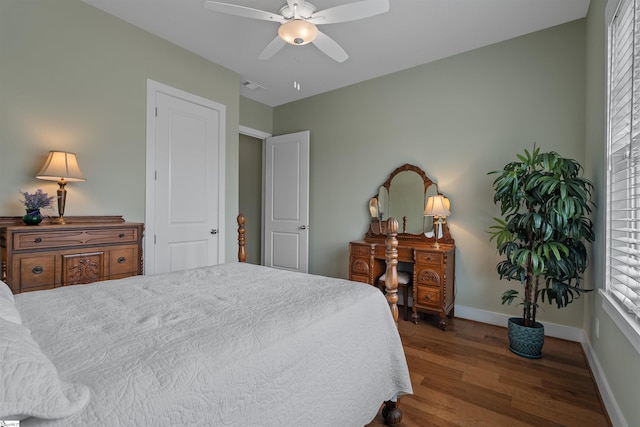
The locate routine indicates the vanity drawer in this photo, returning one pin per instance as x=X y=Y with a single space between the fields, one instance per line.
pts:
x=67 y=238
x=360 y=267
x=428 y=257
x=360 y=250
x=405 y=254
x=428 y=296
x=428 y=277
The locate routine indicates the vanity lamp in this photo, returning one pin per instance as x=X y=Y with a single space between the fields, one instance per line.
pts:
x=437 y=207
x=62 y=167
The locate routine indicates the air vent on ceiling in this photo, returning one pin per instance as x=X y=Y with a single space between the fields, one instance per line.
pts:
x=251 y=85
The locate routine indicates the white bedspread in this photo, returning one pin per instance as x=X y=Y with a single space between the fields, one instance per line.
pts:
x=230 y=345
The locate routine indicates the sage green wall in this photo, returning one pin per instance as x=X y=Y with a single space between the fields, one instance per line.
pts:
x=74 y=78
x=614 y=352
x=457 y=118
x=250 y=172
x=255 y=115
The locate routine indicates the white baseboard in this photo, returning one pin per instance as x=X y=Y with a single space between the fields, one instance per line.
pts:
x=613 y=410
x=550 y=329
x=563 y=332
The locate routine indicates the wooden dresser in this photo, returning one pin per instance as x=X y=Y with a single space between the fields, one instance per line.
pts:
x=433 y=272
x=85 y=250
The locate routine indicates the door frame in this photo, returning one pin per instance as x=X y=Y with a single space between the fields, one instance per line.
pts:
x=258 y=134
x=154 y=87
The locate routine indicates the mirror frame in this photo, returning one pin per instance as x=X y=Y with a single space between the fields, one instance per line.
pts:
x=377 y=230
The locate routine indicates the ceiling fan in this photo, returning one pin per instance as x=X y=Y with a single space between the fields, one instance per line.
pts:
x=298 y=21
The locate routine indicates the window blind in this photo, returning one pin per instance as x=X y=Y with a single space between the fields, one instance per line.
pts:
x=623 y=204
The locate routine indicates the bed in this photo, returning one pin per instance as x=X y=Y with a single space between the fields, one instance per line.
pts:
x=228 y=345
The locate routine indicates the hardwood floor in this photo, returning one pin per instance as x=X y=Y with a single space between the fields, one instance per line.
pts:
x=467 y=376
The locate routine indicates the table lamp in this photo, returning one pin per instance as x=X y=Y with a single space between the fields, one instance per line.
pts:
x=62 y=167
x=437 y=207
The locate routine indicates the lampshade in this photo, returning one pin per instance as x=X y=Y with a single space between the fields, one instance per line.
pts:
x=61 y=166
x=437 y=206
x=298 y=32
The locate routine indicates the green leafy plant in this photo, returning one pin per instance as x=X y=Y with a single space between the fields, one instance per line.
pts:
x=545 y=203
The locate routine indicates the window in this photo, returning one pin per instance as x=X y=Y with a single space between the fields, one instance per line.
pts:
x=623 y=155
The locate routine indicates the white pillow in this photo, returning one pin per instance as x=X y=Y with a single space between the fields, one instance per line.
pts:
x=8 y=310
x=29 y=382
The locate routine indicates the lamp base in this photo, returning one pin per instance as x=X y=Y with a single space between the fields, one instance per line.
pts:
x=60 y=220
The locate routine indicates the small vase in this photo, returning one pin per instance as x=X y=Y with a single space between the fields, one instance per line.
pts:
x=32 y=218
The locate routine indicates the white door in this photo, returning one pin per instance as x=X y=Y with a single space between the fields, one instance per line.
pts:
x=286 y=225
x=185 y=208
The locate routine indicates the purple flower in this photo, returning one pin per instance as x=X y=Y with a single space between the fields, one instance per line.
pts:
x=36 y=201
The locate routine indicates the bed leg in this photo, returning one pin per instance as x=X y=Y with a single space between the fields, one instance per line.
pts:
x=391 y=413
x=242 y=252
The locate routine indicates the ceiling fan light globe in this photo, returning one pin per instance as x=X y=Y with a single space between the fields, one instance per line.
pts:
x=298 y=32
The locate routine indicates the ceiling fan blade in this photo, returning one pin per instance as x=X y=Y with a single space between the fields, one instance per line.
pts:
x=350 y=12
x=245 y=12
x=332 y=49
x=272 y=48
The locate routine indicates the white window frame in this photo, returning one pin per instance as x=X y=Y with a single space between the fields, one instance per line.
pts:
x=626 y=322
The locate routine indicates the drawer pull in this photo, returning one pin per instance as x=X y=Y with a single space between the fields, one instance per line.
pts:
x=121 y=260
x=37 y=269
x=38 y=240
x=121 y=235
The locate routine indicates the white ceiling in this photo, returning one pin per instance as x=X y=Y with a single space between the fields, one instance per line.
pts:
x=413 y=32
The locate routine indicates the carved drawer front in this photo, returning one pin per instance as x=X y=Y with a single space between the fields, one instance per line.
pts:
x=67 y=238
x=123 y=261
x=114 y=235
x=39 y=240
x=82 y=268
x=359 y=250
x=428 y=257
x=428 y=296
x=428 y=277
x=360 y=266
x=36 y=271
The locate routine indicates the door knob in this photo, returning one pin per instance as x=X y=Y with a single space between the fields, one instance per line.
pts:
x=214 y=231
x=304 y=227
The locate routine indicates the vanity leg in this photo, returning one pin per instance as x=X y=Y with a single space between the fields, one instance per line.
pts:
x=443 y=321
x=415 y=316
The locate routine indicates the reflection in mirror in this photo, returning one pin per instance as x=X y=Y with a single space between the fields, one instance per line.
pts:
x=432 y=190
x=407 y=200
x=373 y=207
x=383 y=202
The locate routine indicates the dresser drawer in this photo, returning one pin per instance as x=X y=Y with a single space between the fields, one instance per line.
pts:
x=35 y=272
x=428 y=296
x=428 y=258
x=123 y=261
x=68 y=238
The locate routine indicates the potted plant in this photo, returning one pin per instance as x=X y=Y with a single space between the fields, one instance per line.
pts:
x=33 y=202
x=544 y=203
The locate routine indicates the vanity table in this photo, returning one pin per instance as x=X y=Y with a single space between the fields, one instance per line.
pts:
x=431 y=263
